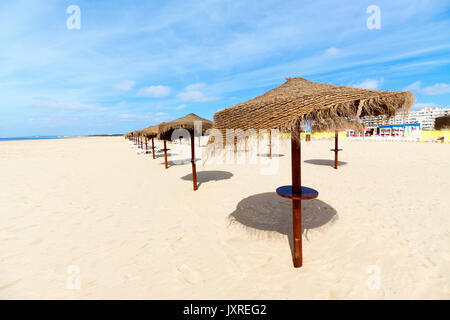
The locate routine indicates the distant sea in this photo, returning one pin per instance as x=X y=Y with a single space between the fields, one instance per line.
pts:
x=55 y=137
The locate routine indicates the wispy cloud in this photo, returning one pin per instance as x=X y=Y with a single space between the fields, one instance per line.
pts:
x=194 y=92
x=414 y=86
x=154 y=92
x=372 y=84
x=149 y=117
x=421 y=105
x=435 y=89
x=59 y=105
x=179 y=107
x=125 y=85
x=438 y=88
x=332 y=51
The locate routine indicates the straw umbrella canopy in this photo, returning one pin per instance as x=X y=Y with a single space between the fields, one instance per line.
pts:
x=139 y=137
x=345 y=124
x=293 y=103
x=150 y=133
x=134 y=136
x=191 y=123
x=442 y=123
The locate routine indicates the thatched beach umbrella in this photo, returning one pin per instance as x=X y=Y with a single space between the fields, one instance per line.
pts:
x=188 y=123
x=137 y=135
x=140 y=140
x=324 y=124
x=293 y=103
x=150 y=133
x=442 y=123
x=134 y=136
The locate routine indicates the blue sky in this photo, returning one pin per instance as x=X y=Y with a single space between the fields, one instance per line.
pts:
x=137 y=63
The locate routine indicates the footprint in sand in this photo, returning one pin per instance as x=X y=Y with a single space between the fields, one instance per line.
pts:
x=188 y=274
x=240 y=262
x=9 y=284
x=36 y=241
x=9 y=236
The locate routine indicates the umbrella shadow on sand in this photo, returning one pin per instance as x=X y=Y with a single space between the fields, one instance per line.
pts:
x=160 y=154
x=274 y=155
x=324 y=162
x=267 y=213
x=179 y=162
x=211 y=175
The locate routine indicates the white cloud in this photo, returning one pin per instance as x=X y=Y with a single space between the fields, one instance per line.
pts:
x=49 y=103
x=154 y=92
x=125 y=85
x=371 y=84
x=129 y=116
x=413 y=86
x=425 y=105
x=149 y=117
x=194 y=87
x=332 y=51
x=438 y=88
x=193 y=96
x=181 y=106
x=192 y=93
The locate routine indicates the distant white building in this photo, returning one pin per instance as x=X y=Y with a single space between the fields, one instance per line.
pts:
x=424 y=116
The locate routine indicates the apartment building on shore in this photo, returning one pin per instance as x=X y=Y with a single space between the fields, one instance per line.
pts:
x=425 y=117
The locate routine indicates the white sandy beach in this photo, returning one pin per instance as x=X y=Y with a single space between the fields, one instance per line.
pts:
x=379 y=229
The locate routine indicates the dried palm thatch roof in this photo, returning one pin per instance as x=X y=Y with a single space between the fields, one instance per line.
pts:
x=150 y=132
x=336 y=124
x=134 y=133
x=299 y=100
x=442 y=123
x=187 y=122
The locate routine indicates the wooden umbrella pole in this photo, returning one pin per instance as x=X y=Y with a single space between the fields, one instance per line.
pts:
x=235 y=149
x=296 y=204
x=270 y=144
x=257 y=142
x=336 y=149
x=153 y=148
x=142 y=144
x=146 y=145
x=165 y=153
x=194 y=171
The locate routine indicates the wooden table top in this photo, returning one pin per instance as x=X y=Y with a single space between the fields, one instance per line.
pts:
x=305 y=193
